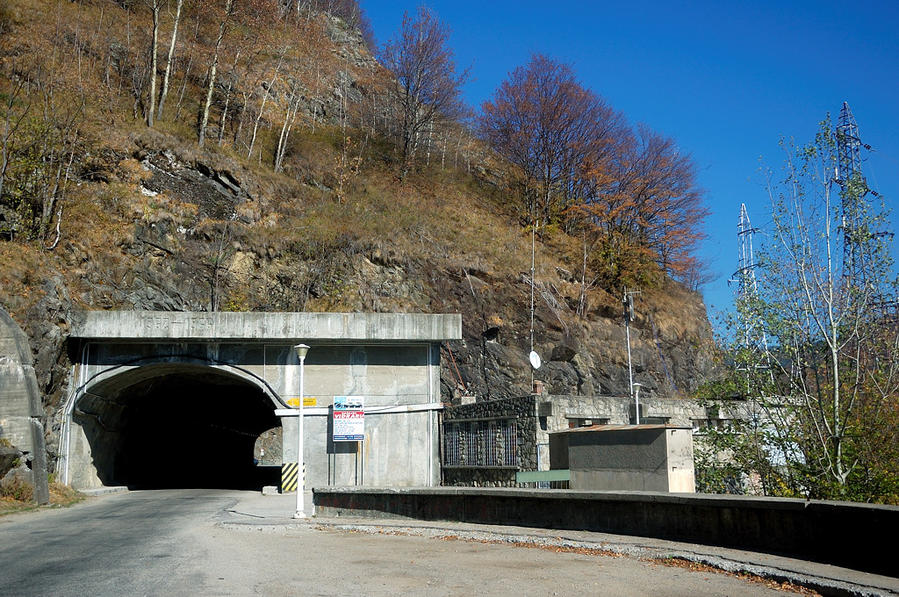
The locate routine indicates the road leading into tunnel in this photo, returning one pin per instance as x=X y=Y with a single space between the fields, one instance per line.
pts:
x=167 y=543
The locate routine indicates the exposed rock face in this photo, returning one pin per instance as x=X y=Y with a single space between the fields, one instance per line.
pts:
x=47 y=325
x=215 y=190
x=670 y=342
x=10 y=457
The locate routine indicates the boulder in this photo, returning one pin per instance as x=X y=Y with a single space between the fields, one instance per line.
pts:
x=18 y=484
x=10 y=457
x=563 y=352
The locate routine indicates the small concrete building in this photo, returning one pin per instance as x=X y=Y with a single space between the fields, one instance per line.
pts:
x=626 y=457
x=488 y=443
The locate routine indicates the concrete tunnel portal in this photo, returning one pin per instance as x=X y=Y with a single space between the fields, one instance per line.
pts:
x=188 y=399
x=177 y=425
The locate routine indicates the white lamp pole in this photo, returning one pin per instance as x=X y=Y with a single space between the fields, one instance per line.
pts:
x=301 y=350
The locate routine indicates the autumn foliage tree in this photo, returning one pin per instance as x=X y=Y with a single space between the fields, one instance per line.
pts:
x=644 y=207
x=548 y=125
x=629 y=193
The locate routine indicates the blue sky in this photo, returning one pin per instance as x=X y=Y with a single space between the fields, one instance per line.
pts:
x=725 y=79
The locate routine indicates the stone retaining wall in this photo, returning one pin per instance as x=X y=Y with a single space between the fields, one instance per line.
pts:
x=523 y=411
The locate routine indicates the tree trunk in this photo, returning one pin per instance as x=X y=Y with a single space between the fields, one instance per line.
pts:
x=154 y=48
x=282 y=138
x=169 y=59
x=190 y=63
x=204 y=120
x=224 y=118
x=268 y=90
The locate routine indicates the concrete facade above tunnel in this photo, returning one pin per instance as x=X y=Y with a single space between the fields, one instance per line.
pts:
x=127 y=362
x=249 y=327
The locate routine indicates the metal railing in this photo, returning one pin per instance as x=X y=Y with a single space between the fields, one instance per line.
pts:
x=481 y=443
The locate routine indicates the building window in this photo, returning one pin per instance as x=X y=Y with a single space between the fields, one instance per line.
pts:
x=481 y=443
x=704 y=425
x=653 y=420
x=575 y=422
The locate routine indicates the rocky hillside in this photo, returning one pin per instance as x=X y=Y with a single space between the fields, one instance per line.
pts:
x=146 y=219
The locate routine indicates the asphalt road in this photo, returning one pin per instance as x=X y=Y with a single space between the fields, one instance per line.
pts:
x=168 y=543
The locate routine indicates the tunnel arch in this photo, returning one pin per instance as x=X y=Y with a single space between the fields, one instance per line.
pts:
x=174 y=422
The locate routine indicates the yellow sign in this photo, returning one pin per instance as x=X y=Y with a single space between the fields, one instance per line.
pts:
x=307 y=401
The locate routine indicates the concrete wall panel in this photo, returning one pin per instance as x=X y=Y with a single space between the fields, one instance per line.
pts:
x=396 y=451
x=218 y=326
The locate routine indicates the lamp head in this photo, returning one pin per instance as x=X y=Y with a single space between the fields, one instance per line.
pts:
x=301 y=350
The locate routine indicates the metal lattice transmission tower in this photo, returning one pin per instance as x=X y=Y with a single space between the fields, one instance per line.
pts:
x=853 y=188
x=747 y=286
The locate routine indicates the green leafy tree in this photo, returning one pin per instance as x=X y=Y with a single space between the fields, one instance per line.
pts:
x=828 y=388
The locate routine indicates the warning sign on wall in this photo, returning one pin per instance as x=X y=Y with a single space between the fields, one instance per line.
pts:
x=349 y=419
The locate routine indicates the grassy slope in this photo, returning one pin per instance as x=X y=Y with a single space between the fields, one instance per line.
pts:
x=377 y=244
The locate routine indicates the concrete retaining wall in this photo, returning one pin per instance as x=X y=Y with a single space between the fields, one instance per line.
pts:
x=20 y=398
x=218 y=326
x=839 y=533
x=21 y=415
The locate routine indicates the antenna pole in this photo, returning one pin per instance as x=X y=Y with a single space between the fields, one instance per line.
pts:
x=533 y=262
x=628 y=317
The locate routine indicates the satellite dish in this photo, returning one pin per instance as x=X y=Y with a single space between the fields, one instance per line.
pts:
x=535 y=359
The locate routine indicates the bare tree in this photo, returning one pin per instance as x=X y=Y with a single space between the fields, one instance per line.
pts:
x=267 y=90
x=154 y=6
x=428 y=88
x=292 y=105
x=170 y=58
x=223 y=25
x=40 y=141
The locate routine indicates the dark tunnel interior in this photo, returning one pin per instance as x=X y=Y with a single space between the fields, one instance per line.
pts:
x=178 y=427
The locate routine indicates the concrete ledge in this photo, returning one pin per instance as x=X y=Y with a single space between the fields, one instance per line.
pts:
x=838 y=533
x=107 y=490
x=171 y=325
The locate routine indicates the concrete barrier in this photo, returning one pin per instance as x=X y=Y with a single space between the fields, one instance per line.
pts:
x=839 y=533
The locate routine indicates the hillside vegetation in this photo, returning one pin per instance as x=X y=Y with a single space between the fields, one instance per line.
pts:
x=276 y=171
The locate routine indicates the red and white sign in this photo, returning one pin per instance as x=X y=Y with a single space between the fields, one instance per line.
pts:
x=349 y=419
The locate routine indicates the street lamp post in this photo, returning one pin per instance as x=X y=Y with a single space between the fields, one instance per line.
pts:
x=301 y=350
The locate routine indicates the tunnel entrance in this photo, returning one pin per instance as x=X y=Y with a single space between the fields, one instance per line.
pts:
x=177 y=426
